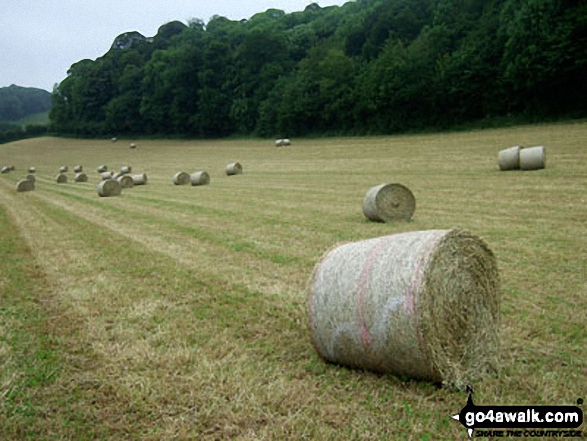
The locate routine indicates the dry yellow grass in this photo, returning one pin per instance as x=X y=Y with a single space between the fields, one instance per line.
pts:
x=180 y=312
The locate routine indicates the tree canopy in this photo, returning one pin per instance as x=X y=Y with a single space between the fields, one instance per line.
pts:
x=19 y=102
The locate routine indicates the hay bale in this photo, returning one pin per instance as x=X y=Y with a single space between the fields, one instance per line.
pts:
x=106 y=175
x=125 y=181
x=279 y=143
x=6 y=169
x=102 y=168
x=61 y=178
x=200 y=178
x=533 y=158
x=125 y=169
x=286 y=142
x=140 y=179
x=32 y=170
x=78 y=169
x=234 y=169
x=109 y=188
x=132 y=145
x=31 y=178
x=25 y=185
x=509 y=159
x=63 y=169
x=422 y=304
x=12 y=168
x=114 y=139
x=181 y=178
x=388 y=203
x=81 y=177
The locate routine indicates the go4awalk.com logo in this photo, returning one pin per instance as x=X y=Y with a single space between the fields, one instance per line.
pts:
x=521 y=421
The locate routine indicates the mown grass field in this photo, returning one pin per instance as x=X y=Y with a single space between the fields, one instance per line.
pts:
x=179 y=312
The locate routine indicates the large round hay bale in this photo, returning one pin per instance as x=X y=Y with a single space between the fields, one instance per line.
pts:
x=125 y=169
x=181 y=178
x=32 y=170
x=509 y=159
x=234 y=169
x=31 y=178
x=102 y=168
x=63 y=169
x=132 y=145
x=422 y=304
x=61 y=178
x=140 y=179
x=109 y=188
x=532 y=158
x=200 y=178
x=388 y=203
x=106 y=175
x=25 y=185
x=125 y=181
x=286 y=142
x=6 y=169
x=279 y=143
x=81 y=177
x=78 y=169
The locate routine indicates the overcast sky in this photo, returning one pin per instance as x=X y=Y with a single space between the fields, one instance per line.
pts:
x=41 y=39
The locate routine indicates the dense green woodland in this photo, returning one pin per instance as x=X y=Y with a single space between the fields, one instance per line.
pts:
x=19 y=102
x=368 y=67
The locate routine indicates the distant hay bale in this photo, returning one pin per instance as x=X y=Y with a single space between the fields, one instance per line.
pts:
x=32 y=170
x=31 y=178
x=102 y=168
x=533 y=158
x=286 y=142
x=388 y=203
x=106 y=175
x=509 y=159
x=140 y=179
x=200 y=178
x=125 y=169
x=279 y=143
x=132 y=145
x=234 y=169
x=78 y=169
x=114 y=139
x=61 y=178
x=6 y=169
x=81 y=177
x=12 y=168
x=109 y=188
x=125 y=181
x=63 y=169
x=25 y=185
x=181 y=178
x=422 y=304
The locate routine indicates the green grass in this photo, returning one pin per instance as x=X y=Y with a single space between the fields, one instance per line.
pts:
x=41 y=118
x=179 y=312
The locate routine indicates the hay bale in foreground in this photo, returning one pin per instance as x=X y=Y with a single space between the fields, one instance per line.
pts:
x=234 y=169
x=78 y=169
x=181 y=178
x=6 y=169
x=125 y=181
x=509 y=159
x=422 y=304
x=61 y=178
x=25 y=185
x=109 y=188
x=63 y=169
x=125 y=170
x=200 y=178
x=102 y=168
x=533 y=158
x=81 y=177
x=31 y=178
x=140 y=179
x=388 y=203
x=106 y=175
x=32 y=170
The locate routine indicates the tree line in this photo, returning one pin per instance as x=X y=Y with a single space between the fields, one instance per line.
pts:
x=367 y=67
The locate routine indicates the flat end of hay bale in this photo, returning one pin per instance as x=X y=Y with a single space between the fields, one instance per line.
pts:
x=31 y=178
x=389 y=203
x=25 y=185
x=125 y=181
x=109 y=188
x=81 y=177
x=181 y=178
x=61 y=178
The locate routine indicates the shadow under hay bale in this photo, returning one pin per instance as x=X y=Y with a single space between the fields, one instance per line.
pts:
x=181 y=178
x=423 y=304
x=81 y=177
x=78 y=169
x=61 y=178
x=102 y=168
x=509 y=159
x=31 y=178
x=32 y=170
x=200 y=178
x=139 y=179
x=234 y=169
x=109 y=188
x=25 y=185
x=388 y=203
x=533 y=158
x=125 y=181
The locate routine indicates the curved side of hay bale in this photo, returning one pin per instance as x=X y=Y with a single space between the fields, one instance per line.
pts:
x=106 y=175
x=78 y=169
x=125 y=181
x=81 y=177
x=509 y=159
x=423 y=304
x=25 y=185
x=109 y=188
x=31 y=178
x=533 y=158
x=234 y=169
x=63 y=169
x=32 y=170
x=200 y=178
x=388 y=203
x=102 y=168
x=181 y=178
x=140 y=179
x=61 y=178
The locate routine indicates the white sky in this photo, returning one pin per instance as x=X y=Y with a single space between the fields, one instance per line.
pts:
x=41 y=39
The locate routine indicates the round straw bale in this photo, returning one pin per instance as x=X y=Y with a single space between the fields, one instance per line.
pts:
x=78 y=169
x=61 y=178
x=200 y=178
x=132 y=145
x=125 y=181
x=109 y=188
x=106 y=175
x=32 y=169
x=63 y=169
x=234 y=169
x=114 y=139
x=31 y=178
x=532 y=158
x=125 y=169
x=389 y=202
x=509 y=159
x=81 y=177
x=279 y=143
x=422 y=304
x=140 y=179
x=286 y=142
x=6 y=169
x=102 y=168
x=25 y=185
x=181 y=178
